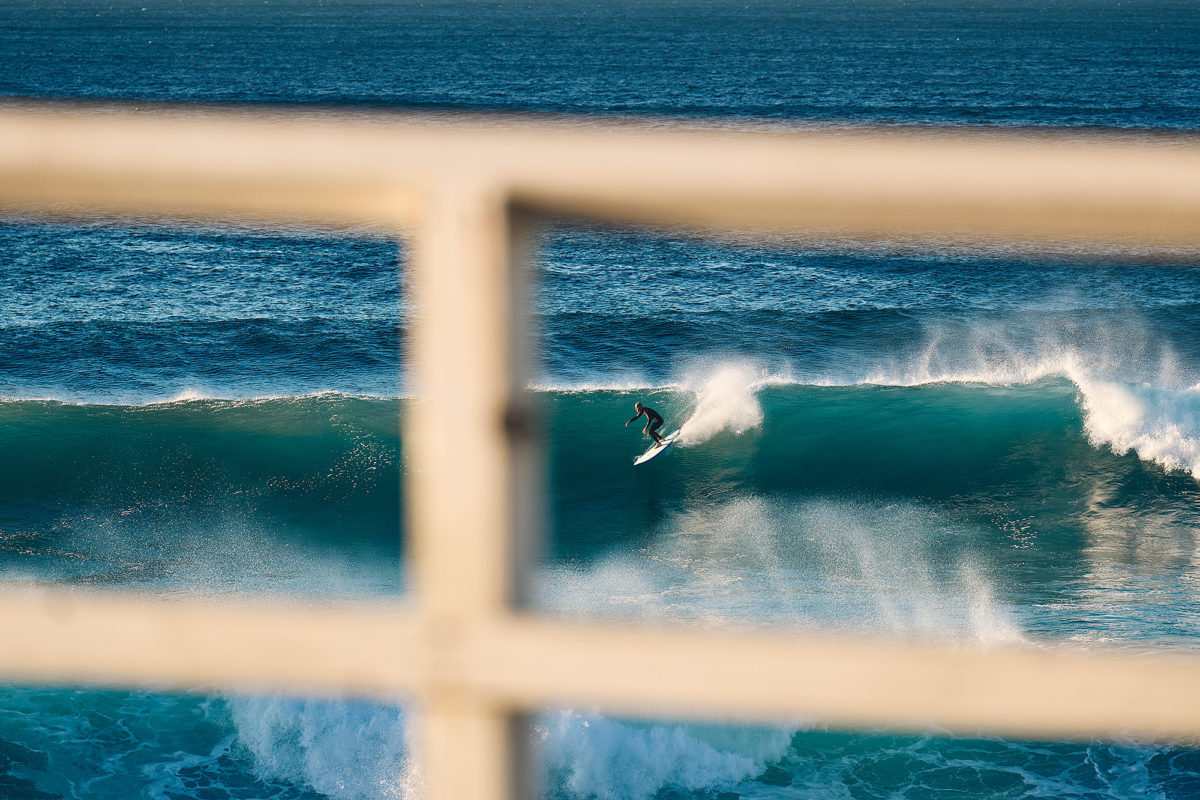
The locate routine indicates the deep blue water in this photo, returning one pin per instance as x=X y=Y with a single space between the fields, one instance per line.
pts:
x=984 y=447
x=1090 y=62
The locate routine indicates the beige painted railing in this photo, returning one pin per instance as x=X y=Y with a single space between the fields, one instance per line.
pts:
x=463 y=649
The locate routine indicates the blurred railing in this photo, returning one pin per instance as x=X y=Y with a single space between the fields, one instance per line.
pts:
x=463 y=649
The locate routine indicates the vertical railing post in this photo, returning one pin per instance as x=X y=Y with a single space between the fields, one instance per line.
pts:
x=471 y=485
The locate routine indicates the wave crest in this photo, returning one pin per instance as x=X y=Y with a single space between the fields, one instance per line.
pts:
x=1160 y=424
x=726 y=400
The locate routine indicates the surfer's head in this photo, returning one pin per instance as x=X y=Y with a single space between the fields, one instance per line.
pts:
x=637 y=407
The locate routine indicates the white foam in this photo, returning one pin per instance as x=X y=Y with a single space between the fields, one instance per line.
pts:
x=725 y=400
x=344 y=750
x=357 y=751
x=606 y=759
x=1160 y=424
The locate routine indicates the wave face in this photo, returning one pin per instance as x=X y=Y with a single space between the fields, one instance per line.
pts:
x=296 y=495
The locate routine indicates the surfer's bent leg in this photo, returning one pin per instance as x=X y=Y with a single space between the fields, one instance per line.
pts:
x=652 y=429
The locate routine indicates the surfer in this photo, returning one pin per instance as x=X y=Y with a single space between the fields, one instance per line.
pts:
x=654 y=421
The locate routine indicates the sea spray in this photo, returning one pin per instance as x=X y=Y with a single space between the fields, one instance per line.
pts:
x=724 y=401
x=1025 y=349
x=889 y=567
x=989 y=622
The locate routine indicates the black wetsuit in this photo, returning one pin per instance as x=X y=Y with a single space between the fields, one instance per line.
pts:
x=654 y=421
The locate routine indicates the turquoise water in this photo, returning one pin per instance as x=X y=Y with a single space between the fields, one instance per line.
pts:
x=978 y=447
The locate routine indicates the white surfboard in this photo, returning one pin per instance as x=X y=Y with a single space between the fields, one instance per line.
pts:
x=657 y=448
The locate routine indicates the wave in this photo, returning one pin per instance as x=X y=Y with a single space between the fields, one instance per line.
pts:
x=303 y=493
x=742 y=409
x=742 y=426
x=777 y=428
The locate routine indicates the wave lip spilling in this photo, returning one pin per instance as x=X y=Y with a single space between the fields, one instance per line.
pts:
x=1133 y=398
x=1160 y=424
x=725 y=400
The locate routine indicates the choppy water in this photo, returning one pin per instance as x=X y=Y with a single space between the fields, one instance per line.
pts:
x=981 y=447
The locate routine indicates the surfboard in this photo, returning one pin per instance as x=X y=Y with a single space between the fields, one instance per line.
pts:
x=656 y=449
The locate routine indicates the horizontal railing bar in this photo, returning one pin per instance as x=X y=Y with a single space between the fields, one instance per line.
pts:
x=530 y=663
x=130 y=640
x=843 y=681
x=375 y=169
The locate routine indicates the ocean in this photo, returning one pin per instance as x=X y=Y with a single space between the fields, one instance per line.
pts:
x=971 y=445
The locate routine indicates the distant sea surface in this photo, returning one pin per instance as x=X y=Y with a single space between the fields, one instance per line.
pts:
x=984 y=447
